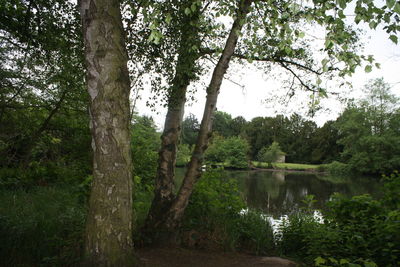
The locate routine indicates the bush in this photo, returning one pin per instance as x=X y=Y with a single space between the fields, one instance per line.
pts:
x=42 y=174
x=304 y=237
x=270 y=154
x=143 y=196
x=215 y=218
x=232 y=152
x=255 y=233
x=338 y=168
x=358 y=230
x=41 y=227
x=183 y=155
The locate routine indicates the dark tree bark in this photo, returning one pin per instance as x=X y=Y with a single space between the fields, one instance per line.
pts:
x=109 y=222
x=172 y=217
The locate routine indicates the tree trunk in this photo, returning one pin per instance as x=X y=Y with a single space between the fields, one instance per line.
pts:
x=165 y=178
x=109 y=222
x=174 y=215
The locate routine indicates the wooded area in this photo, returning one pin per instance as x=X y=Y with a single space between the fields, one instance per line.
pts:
x=70 y=75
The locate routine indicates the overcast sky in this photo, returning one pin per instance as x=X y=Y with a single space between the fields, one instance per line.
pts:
x=253 y=99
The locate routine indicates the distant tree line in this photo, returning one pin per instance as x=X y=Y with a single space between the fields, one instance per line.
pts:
x=366 y=135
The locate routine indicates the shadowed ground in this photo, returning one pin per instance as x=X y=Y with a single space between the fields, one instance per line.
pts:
x=178 y=257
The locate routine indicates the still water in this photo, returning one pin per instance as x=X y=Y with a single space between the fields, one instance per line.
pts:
x=279 y=193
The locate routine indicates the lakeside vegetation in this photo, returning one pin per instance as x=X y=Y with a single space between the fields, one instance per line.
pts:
x=85 y=179
x=214 y=219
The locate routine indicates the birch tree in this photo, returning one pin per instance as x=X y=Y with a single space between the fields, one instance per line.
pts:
x=109 y=222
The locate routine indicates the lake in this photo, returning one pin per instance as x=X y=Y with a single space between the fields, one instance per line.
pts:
x=278 y=193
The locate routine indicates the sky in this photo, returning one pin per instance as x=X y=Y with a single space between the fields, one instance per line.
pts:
x=247 y=92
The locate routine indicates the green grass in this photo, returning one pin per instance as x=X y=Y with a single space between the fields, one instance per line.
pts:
x=287 y=166
x=41 y=227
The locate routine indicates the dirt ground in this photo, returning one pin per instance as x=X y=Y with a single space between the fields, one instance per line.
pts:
x=179 y=257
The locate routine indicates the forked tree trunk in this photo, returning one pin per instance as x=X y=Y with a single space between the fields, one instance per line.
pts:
x=109 y=221
x=173 y=217
x=165 y=179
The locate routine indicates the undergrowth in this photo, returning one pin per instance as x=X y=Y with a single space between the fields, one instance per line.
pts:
x=42 y=226
x=216 y=217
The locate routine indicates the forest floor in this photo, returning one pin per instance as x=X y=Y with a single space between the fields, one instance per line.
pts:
x=179 y=257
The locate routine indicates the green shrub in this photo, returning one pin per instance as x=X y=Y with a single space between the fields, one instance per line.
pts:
x=303 y=236
x=143 y=196
x=338 y=168
x=216 y=217
x=43 y=174
x=270 y=154
x=232 y=152
x=360 y=230
x=183 y=155
x=255 y=233
x=40 y=227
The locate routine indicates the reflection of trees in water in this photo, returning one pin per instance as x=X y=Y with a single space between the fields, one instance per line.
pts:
x=277 y=193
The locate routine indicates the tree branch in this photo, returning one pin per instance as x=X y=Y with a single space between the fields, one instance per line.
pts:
x=298 y=78
x=277 y=59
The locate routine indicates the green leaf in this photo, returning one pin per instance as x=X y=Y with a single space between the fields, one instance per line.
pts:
x=342 y=4
x=319 y=81
x=193 y=7
x=301 y=34
x=343 y=261
x=187 y=11
x=168 y=18
x=373 y=25
x=318 y=261
x=357 y=18
x=370 y=264
x=333 y=260
x=324 y=64
x=329 y=44
x=393 y=38
x=194 y=48
x=341 y=14
x=288 y=50
x=322 y=93
x=368 y=68
x=390 y=3
x=397 y=8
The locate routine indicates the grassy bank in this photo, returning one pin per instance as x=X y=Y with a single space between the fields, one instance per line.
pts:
x=287 y=166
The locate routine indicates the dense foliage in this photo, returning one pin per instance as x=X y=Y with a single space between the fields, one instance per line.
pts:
x=230 y=152
x=144 y=145
x=369 y=131
x=270 y=154
x=44 y=133
x=45 y=148
x=41 y=227
x=360 y=230
x=216 y=218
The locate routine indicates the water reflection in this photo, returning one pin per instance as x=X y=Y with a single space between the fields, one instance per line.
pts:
x=279 y=193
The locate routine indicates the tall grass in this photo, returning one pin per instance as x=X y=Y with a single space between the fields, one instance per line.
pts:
x=42 y=226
